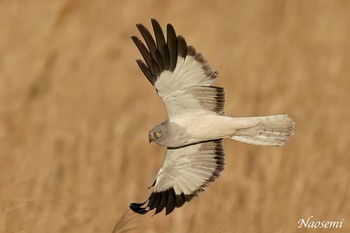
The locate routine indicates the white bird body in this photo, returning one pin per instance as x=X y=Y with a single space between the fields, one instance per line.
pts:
x=204 y=125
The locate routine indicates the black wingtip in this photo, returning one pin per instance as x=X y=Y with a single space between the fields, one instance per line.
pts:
x=138 y=25
x=134 y=38
x=154 y=20
x=137 y=208
x=172 y=46
x=182 y=46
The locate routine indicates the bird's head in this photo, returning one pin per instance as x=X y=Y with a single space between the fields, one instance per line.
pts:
x=158 y=134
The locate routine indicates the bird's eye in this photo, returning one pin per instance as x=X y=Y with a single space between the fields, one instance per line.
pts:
x=157 y=134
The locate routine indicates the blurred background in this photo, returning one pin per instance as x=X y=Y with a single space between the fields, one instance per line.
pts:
x=75 y=111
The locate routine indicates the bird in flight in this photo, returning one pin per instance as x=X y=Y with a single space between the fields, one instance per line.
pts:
x=196 y=124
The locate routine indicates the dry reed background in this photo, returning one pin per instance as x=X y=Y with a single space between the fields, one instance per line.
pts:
x=75 y=111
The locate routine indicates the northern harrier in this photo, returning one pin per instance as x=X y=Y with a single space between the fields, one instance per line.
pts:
x=197 y=124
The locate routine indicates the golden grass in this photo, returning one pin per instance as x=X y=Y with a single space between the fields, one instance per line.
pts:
x=75 y=111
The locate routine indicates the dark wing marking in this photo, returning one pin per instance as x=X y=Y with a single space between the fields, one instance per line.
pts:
x=210 y=98
x=172 y=46
x=164 y=53
x=161 y=44
x=160 y=55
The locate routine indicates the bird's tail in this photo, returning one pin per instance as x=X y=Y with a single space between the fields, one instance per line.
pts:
x=266 y=130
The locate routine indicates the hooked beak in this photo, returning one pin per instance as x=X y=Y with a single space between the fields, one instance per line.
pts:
x=150 y=138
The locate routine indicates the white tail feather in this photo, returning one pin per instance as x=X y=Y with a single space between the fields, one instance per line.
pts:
x=268 y=131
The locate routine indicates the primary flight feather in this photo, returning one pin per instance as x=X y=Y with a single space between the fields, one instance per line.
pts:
x=196 y=121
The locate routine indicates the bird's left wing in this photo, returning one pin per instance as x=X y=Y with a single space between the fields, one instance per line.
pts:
x=186 y=171
x=181 y=76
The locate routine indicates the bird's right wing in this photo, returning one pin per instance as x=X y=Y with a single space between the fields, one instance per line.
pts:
x=186 y=171
x=181 y=76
